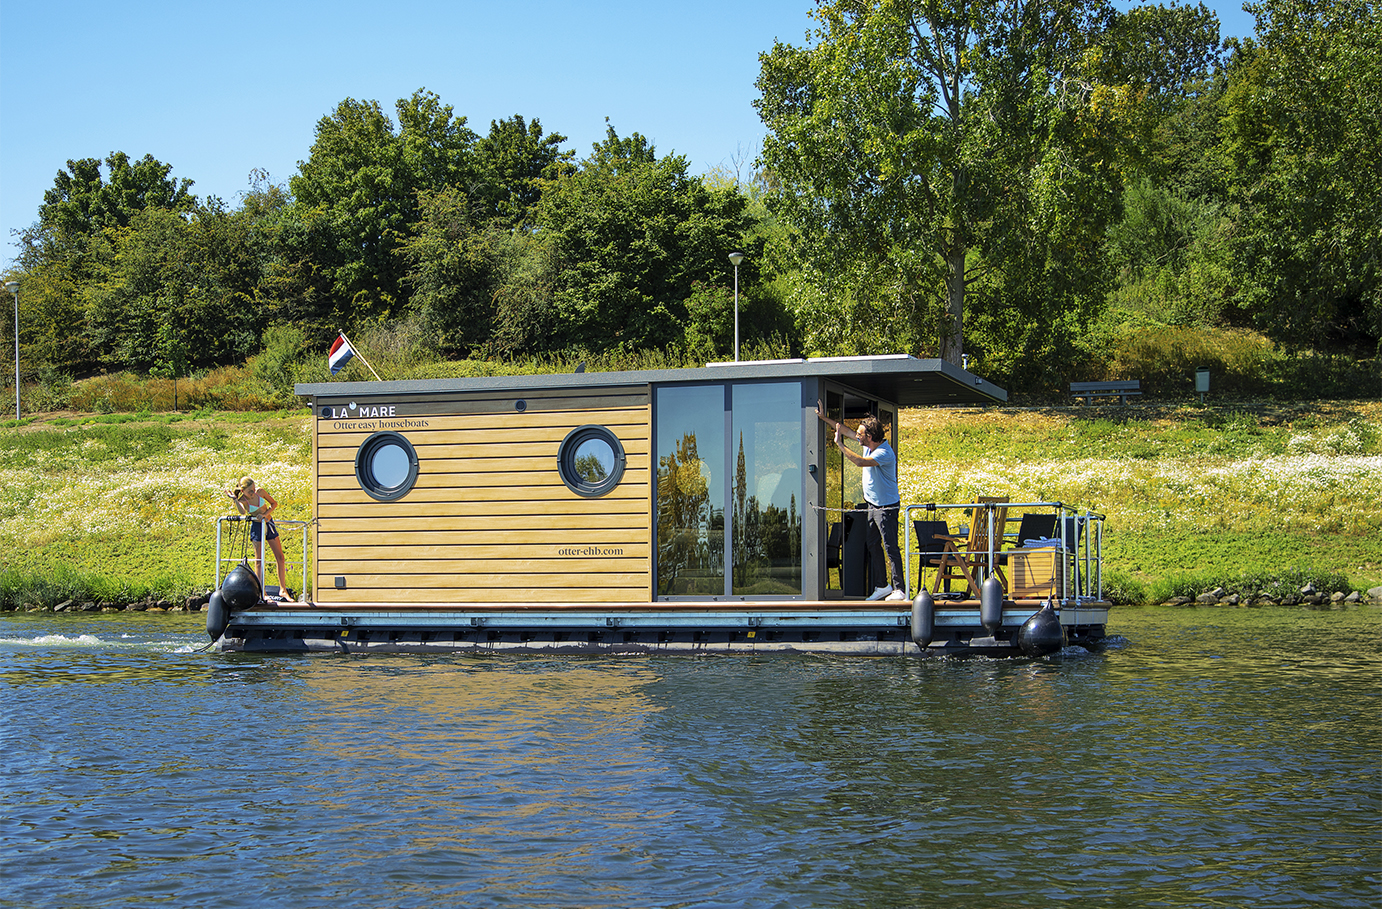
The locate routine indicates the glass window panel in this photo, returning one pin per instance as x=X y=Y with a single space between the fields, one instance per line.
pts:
x=691 y=490
x=389 y=466
x=766 y=498
x=855 y=410
x=594 y=460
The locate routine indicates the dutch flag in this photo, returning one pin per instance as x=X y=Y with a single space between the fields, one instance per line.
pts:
x=340 y=355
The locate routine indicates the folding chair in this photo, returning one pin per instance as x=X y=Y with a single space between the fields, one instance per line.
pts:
x=973 y=563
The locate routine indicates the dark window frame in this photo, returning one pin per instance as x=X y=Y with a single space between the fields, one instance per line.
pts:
x=364 y=474
x=566 y=460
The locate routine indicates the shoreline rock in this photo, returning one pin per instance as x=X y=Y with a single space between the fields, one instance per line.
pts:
x=194 y=603
x=1312 y=599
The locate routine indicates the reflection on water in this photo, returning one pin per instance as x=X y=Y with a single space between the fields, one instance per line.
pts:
x=1202 y=758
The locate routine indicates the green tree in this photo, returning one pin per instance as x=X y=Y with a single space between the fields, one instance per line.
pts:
x=452 y=271
x=1304 y=141
x=1187 y=157
x=627 y=236
x=84 y=202
x=66 y=255
x=941 y=161
x=515 y=162
x=1167 y=51
x=710 y=320
x=1171 y=249
x=175 y=293
x=479 y=280
x=360 y=186
x=226 y=318
x=1172 y=254
x=54 y=313
x=295 y=286
x=524 y=319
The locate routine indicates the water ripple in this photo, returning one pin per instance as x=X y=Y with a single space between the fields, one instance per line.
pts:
x=1198 y=759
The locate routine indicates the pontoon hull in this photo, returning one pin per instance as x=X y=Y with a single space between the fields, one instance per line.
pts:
x=829 y=627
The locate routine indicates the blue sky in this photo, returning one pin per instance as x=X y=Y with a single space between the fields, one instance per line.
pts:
x=217 y=90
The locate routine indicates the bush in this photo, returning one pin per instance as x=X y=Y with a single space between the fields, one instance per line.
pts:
x=19 y=589
x=1165 y=358
x=52 y=391
x=226 y=388
x=1241 y=364
x=1123 y=589
x=273 y=367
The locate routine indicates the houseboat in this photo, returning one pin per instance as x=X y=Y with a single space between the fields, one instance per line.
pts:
x=676 y=510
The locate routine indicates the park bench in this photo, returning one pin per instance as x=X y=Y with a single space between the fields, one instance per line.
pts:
x=1121 y=390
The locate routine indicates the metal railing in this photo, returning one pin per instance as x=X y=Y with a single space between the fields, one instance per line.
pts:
x=1078 y=542
x=247 y=548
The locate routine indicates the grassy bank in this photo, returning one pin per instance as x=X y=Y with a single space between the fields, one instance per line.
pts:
x=1193 y=495
x=117 y=507
x=122 y=505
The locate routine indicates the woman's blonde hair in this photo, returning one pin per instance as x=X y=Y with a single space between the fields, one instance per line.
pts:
x=245 y=483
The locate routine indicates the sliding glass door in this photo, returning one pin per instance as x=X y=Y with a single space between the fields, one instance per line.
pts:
x=729 y=489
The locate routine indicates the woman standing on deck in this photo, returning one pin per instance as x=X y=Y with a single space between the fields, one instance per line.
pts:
x=256 y=503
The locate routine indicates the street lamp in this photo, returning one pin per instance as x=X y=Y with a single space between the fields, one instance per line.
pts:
x=735 y=257
x=13 y=287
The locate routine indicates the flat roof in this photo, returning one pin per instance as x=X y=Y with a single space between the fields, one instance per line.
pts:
x=903 y=379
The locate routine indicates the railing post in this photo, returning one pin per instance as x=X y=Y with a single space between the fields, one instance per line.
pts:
x=1099 y=553
x=262 y=541
x=302 y=591
x=907 y=549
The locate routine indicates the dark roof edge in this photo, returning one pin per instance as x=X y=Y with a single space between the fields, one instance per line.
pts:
x=910 y=378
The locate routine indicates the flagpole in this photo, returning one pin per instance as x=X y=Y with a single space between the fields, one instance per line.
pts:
x=355 y=350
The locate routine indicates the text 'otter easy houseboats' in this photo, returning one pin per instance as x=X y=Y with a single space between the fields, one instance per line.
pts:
x=680 y=510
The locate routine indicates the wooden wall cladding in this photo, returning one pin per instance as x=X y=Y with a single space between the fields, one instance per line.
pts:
x=489 y=519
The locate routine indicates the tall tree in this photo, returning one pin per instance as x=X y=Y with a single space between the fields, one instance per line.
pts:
x=515 y=161
x=361 y=184
x=927 y=152
x=472 y=262
x=82 y=201
x=176 y=292
x=452 y=270
x=67 y=254
x=627 y=237
x=1304 y=139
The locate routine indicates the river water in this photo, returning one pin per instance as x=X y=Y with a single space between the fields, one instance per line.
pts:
x=1202 y=758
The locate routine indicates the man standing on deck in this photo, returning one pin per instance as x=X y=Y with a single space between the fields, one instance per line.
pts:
x=879 y=462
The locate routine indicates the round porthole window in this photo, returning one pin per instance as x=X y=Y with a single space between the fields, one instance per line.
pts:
x=591 y=461
x=386 y=466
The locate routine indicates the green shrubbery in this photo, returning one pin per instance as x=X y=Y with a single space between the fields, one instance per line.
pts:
x=265 y=382
x=49 y=588
x=1242 y=365
x=1270 y=583
x=1123 y=589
